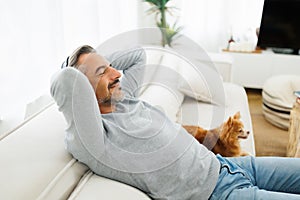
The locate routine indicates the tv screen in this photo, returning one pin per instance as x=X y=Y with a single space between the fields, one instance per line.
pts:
x=280 y=25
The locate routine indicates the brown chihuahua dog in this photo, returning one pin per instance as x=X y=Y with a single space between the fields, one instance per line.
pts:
x=223 y=140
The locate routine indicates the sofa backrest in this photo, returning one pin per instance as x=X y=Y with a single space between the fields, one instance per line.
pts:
x=33 y=161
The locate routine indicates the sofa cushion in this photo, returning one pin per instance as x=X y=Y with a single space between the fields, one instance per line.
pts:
x=34 y=162
x=95 y=187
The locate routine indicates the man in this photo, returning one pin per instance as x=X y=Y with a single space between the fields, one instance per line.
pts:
x=128 y=140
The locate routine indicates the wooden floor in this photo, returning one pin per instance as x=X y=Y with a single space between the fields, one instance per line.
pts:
x=269 y=140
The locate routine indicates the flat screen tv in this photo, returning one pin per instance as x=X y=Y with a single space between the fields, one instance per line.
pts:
x=280 y=26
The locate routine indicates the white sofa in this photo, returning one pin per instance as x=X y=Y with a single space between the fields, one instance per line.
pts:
x=35 y=165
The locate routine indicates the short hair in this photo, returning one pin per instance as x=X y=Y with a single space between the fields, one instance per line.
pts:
x=85 y=49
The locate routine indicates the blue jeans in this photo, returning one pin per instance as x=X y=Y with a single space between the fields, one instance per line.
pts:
x=258 y=178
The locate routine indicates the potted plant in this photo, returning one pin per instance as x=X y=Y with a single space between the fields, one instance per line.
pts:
x=160 y=8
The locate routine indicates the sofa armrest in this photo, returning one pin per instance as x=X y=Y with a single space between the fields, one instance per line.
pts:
x=34 y=162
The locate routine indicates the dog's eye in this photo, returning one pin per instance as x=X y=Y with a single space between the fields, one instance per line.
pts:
x=241 y=130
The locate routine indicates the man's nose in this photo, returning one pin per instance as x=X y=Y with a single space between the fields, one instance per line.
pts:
x=114 y=74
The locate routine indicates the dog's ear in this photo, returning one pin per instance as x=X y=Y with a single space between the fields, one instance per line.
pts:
x=237 y=115
x=229 y=121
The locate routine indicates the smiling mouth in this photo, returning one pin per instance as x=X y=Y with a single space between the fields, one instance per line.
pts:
x=113 y=84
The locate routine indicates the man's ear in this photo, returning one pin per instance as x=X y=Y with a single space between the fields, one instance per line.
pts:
x=237 y=115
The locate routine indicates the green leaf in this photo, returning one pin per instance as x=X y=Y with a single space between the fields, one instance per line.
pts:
x=159 y=8
x=154 y=2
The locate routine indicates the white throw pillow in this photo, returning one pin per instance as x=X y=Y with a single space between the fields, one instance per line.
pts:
x=201 y=82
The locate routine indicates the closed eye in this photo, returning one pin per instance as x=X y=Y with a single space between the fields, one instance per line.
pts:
x=101 y=73
x=101 y=70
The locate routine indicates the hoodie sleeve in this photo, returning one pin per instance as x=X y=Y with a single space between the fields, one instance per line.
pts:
x=132 y=63
x=76 y=99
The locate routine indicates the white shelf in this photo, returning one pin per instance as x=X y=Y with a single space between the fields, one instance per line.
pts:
x=251 y=70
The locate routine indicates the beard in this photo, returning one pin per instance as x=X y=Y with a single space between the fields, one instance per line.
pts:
x=115 y=96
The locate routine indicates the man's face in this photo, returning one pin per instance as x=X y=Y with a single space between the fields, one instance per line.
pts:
x=103 y=78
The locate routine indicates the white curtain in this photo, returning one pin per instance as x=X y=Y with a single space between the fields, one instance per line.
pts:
x=37 y=35
x=210 y=22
